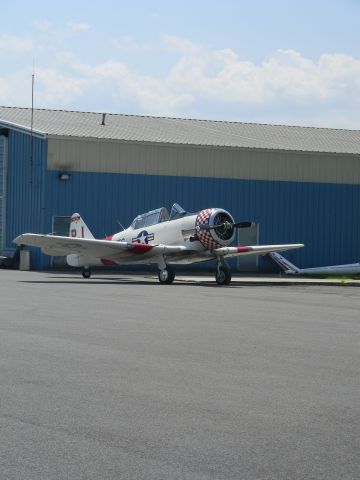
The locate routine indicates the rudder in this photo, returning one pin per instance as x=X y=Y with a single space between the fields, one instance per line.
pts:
x=78 y=228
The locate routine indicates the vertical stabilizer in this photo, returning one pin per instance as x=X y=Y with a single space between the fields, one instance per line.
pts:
x=287 y=266
x=78 y=228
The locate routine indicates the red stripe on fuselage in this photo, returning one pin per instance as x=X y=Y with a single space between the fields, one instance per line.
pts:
x=243 y=249
x=105 y=261
x=138 y=248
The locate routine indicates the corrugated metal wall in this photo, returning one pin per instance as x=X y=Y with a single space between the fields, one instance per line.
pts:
x=1 y=187
x=323 y=216
x=194 y=161
x=25 y=201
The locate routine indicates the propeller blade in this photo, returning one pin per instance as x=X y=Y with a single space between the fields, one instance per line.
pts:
x=226 y=224
x=242 y=224
x=207 y=227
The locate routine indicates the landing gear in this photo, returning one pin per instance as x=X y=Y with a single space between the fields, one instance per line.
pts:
x=166 y=276
x=223 y=274
x=86 y=272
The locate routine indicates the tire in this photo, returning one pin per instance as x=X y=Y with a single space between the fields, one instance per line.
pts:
x=166 y=276
x=223 y=275
x=86 y=273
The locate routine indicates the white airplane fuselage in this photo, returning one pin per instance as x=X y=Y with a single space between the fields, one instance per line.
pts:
x=170 y=232
x=179 y=231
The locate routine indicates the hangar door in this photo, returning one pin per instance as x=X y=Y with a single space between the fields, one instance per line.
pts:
x=248 y=236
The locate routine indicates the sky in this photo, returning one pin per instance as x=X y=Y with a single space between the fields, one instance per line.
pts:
x=280 y=62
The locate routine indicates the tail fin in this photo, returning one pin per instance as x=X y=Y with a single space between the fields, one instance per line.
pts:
x=78 y=227
x=287 y=266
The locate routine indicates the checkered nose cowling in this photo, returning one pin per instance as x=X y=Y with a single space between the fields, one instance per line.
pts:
x=216 y=237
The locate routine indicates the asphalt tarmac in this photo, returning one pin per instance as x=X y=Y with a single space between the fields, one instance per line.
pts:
x=120 y=377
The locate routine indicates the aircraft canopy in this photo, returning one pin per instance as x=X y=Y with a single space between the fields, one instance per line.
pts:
x=157 y=216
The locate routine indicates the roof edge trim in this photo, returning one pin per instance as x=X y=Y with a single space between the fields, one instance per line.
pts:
x=22 y=129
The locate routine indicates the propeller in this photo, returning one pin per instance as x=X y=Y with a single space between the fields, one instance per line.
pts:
x=226 y=225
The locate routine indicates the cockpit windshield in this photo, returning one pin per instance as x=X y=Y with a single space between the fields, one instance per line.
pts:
x=176 y=211
x=157 y=216
x=150 y=218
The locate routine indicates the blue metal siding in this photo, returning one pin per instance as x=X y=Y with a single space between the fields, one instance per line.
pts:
x=1 y=186
x=25 y=208
x=323 y=216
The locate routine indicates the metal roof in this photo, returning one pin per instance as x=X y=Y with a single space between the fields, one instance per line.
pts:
x=134 y=128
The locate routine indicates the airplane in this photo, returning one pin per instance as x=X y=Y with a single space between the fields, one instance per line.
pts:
x=158 y=238
x=290 y=268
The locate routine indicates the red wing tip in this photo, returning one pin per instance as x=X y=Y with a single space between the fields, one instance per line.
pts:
x=243 y=249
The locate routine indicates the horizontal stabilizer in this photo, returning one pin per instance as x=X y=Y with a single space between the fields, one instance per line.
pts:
x=287 y=266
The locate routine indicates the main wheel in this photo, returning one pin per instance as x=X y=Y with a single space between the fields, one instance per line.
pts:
x=223 y=275
x=166 y=276
x=86 y=273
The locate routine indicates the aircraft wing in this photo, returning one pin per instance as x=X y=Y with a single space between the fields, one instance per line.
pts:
x=230 y=252
x=112 y=250
x=118 y=251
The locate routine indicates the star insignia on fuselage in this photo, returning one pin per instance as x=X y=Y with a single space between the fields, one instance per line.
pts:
x=143 y=237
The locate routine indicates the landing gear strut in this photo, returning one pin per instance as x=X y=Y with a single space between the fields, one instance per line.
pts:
x=166 y=276
x=223 y=273
x=86 y=272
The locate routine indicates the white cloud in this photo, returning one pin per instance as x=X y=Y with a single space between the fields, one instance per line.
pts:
x=153 y=95
x=78 y=27
x=57 y=88
x=285 y=88
x=15 y=89
x=14 y=44
x=43 y=26
x=285 y=76
x=129 y=45
x=182 y=45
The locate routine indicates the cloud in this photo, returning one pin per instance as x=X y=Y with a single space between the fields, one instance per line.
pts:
x=78 y=27
x=15 y=89
x=43 y=26
x=153 y=95
x=128 y=44
x=58 y=88
x=182 y=45
x=285 y=76
x=286 y=87
x=14 y=44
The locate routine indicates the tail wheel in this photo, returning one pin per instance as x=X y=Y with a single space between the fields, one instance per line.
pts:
x=166 y=276
x=223 y=275
x=86 y=273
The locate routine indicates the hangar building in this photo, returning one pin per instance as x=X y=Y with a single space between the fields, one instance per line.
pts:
x=298 y=184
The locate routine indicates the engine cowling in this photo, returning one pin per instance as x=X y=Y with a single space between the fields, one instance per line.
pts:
x=214 y=237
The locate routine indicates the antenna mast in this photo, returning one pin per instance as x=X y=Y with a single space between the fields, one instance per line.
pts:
x=32 y=125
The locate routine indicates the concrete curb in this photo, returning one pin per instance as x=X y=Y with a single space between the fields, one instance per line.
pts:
x=276 y=282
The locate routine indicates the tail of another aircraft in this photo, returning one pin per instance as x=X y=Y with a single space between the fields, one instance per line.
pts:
x=78 y=228
x=287 y=266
